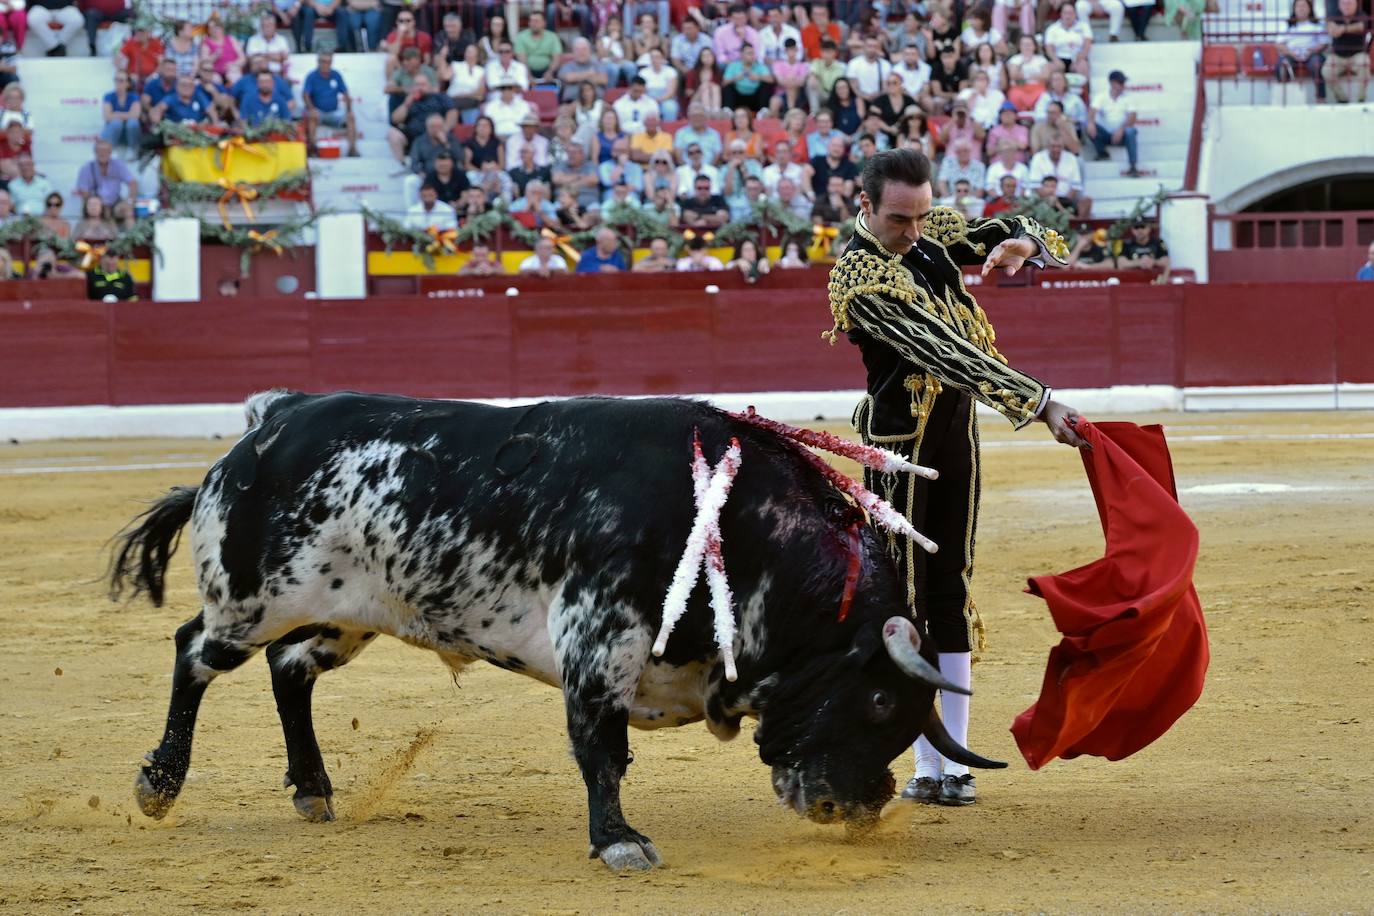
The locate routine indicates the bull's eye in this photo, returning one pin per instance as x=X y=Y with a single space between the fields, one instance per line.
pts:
x=881 y=706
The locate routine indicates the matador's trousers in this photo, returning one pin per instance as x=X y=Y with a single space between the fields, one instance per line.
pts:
x=945 y=437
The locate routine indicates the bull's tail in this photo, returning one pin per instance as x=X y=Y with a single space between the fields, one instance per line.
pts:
x=147 y=543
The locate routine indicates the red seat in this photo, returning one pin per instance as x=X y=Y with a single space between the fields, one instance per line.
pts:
x=463 y=132
x=1219 y=61
x=613 y=94
x=545 y=102
x=1268 y=59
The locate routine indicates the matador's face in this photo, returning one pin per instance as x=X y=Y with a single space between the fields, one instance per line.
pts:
x=899 y=218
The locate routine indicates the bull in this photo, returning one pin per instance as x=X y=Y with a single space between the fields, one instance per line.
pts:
x=541 y=539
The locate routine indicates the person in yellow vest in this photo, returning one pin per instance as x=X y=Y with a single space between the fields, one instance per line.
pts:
x=110 y=280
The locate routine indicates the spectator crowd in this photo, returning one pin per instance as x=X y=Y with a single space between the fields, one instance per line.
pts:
x=690 y=111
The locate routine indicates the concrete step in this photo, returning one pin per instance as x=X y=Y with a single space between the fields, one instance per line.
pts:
x=1168 y=172
x=1157 y=32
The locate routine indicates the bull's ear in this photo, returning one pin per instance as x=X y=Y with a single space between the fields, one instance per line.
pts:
x=866 y=641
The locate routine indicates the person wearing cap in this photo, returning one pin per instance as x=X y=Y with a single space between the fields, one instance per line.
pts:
x=1070 y=40
x=1142 y=251
x=528 y=136
x=508 y=110
x=1111 y=121
x=1092 y=250
x=110 y=279
x=892 y=294
x=1010 y=129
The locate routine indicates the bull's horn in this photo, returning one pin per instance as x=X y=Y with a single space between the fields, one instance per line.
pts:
x=952 y=750
x=904 y=645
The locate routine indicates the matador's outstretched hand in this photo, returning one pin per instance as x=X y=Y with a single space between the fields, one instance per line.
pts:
x=1061 y=419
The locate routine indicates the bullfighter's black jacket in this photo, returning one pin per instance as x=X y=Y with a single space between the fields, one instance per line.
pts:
x=916 y=323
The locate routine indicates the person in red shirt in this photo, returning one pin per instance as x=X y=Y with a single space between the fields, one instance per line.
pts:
x=98 y=11
x=14 y=142
x=407 y=35
x=140 y=55
x=818 y=28
x=1008 y=199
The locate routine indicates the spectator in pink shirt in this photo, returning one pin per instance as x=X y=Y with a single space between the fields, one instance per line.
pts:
x=733 y=36
x=1007 y=128
x=790 y=73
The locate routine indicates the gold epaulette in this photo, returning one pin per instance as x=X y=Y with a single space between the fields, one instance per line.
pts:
x=859 y=272
x=945 y=225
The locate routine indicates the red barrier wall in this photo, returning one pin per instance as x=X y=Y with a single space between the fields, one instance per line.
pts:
x=634 y=335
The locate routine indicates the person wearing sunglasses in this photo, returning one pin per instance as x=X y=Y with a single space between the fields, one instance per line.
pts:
x=122 y=110
x=52 y=217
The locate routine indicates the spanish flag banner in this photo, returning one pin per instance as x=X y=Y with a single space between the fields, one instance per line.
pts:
x=235 y=160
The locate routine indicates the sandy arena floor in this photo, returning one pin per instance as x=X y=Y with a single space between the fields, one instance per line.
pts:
x=466 y=799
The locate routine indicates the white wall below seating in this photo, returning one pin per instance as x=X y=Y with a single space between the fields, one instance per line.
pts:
x=1252 y=151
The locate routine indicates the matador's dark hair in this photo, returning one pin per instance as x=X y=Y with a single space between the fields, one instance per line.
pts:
x=904 y=166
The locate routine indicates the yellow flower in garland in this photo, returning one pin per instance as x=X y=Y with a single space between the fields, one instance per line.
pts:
x=442 y=241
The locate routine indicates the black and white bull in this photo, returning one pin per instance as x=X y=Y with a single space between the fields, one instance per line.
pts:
x=542 y=539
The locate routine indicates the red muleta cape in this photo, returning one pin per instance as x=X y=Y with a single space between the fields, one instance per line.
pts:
x=1135 y=645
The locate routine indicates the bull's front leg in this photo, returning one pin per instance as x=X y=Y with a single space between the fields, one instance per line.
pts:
x=601 y=665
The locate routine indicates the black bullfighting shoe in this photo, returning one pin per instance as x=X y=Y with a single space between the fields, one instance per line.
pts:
x=923 y=789
x=958 y=790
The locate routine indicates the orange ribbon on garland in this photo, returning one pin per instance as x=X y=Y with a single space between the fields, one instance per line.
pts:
x=265 y=240
x=90 y=254
x=239 y=191
x=563 y=244
x=822 y=238
x=443 y=241
x=228 y=145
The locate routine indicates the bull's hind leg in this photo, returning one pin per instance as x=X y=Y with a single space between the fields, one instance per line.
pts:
x=201 y=655
x=601 y=655
x=296 y=660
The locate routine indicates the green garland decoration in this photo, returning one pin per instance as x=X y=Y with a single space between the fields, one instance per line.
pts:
x=769 y=217
x=173 y=133
x=288 y=235
x=31 y=228
x=1143 y=208
x=237 y=20
x=180 y=193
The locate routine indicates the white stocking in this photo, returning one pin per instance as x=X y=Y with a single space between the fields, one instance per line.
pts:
x=957 y=667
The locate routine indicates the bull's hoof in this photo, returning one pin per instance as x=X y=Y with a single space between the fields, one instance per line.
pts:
x=317 y=809
x=152 y=801
x=630 y=856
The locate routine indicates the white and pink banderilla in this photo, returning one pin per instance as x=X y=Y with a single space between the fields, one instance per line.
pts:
x=711 y=487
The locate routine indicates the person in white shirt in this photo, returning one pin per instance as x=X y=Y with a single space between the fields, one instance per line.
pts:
x=1303 y=47
x=773 y=36
x=1070 y=40
x=504 y=68
x=634 y=106
x=661 y=82
x=784 y=166
x=914 y=71
x=984 y=102
x=1071 y=102
x=29 y=190
x=1055 y=160
x=528 y=135
x=545 y=261
x=1005 y=165
x=507 y=111
x=697 y=165
x=1114 y=10
x=867 y=71
x=430 y=212
x=698 y=257
x=269 y=43
x=1111 y=121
